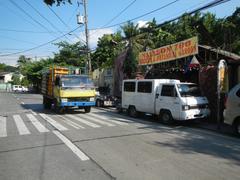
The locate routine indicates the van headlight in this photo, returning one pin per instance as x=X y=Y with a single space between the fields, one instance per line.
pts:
x=185 y=107
x=91 y=99
x=64 y=100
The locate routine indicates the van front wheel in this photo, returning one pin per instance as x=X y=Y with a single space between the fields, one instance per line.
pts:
x=166 y=117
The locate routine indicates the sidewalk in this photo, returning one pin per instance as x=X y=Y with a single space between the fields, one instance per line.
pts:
x=223 y=129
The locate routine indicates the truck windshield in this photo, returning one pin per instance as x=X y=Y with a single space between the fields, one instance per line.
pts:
x=187 y=90
x=76 y=81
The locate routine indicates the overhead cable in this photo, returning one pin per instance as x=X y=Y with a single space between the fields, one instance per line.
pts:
x=27 y=14
x=65 y=23
x=40 y=14
x=41 y=45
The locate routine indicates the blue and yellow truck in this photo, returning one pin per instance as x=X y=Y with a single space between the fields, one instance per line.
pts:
x=62 y=89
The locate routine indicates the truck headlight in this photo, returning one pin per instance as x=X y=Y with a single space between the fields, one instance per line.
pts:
x=91 y=99
x=185 y=107
x=64 y=100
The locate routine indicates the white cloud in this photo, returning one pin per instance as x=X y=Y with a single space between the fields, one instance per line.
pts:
x=94 y=35
x=142 y=24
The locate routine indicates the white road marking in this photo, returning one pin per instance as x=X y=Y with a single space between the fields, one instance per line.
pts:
x=96 y=120
x=108 y=119
x=36 y=123
x=22 y=129
x=72 y=146
x=3 y=126
x=83 y=121
x=34 y=113
x=53 y=122
x=71 y=123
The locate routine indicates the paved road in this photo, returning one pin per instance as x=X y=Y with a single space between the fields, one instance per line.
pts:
x=37 y=144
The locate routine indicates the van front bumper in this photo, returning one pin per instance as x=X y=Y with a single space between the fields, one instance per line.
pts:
x=194 y=114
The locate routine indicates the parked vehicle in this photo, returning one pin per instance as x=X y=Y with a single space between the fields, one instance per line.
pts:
x=64 y=90
x=103 y=97
x=17 y=88
x=231 y=112
x=24 y=89
x=169 y=99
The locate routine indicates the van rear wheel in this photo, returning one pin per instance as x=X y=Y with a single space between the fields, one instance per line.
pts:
x=132 y=111
x=166 y=117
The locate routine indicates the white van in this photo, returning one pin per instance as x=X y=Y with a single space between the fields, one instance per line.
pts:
x=169 y=99
x=17 y=88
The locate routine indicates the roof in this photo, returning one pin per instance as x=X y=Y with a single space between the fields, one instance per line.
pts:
x=5 y=73
x=222 y=52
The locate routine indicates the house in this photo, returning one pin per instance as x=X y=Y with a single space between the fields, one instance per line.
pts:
x=5 y=77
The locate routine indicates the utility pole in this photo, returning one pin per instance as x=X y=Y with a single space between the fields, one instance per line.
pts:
x=87 y=36
x=84 y=20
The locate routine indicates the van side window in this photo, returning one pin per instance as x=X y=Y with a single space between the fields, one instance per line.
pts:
x=129 y=86
x=168 y=90
x=145 y=87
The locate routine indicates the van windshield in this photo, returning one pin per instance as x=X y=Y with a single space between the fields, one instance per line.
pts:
x=187 y=90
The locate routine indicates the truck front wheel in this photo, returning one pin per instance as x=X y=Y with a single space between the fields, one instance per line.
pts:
x=87 y=109
x=47 y=103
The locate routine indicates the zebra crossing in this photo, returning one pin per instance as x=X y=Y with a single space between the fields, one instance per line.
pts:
x=32 y=123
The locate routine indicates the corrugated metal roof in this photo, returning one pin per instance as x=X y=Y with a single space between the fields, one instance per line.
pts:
x=222 y=52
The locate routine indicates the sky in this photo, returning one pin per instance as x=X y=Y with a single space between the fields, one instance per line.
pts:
x=26 y=24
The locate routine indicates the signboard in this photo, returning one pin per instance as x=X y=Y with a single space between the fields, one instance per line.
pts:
x=170 y=52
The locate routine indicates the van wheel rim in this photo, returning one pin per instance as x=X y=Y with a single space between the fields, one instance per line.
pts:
x=165 y=117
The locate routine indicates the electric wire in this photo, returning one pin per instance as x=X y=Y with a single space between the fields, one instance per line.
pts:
x=120 y=13
x=40 y=14
x=27 y=14
x=41 y=45
x=115 y=17
x=204 y=7
x=155 y=10
x=60 y=19
x=209 y=5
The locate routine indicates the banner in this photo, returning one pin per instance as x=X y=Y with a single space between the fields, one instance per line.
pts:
x=170 y=52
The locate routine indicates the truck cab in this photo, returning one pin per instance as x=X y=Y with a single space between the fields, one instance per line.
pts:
x=64 y=90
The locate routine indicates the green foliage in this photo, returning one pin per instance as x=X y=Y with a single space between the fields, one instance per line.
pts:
x=58 y=2
x=7 y=68
x=107 y=49
x=16 y=79
x=70 y=54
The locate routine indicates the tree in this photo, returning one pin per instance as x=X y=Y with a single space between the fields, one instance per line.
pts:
x=16 y=79
x=58 y=2
x=70 y=54
x=7 y=68
x=106 y=51
x=133 y=46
